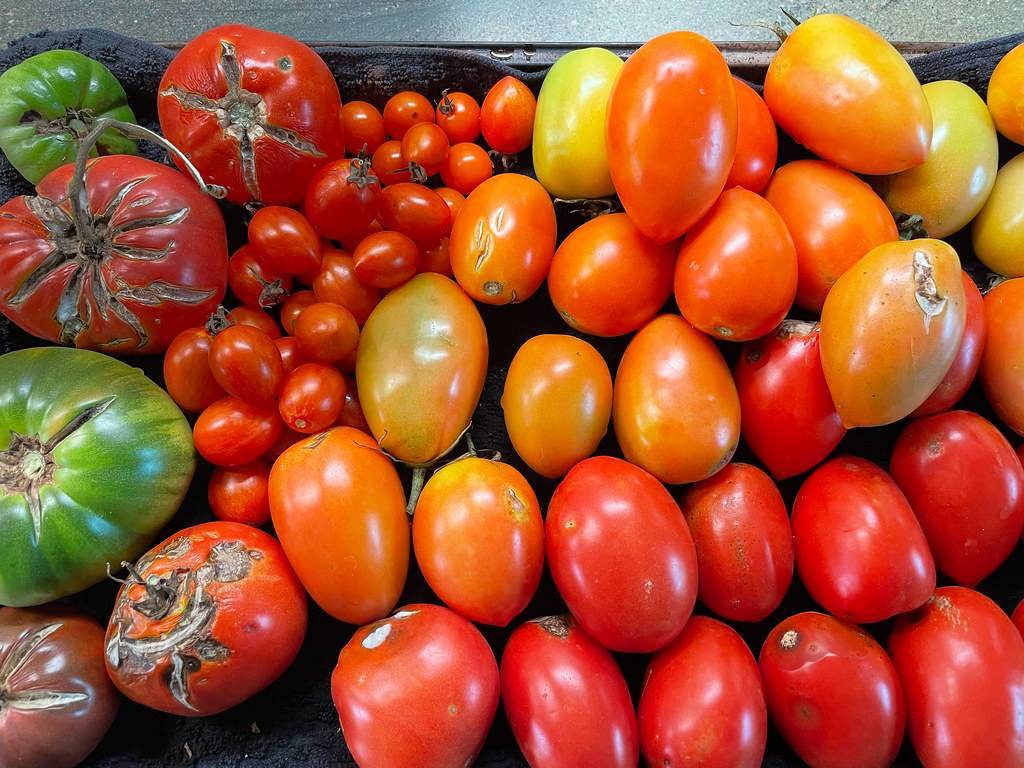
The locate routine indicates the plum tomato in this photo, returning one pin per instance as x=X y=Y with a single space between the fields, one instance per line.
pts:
x=458 y=114
x=436 y=257
x=467 y=167
x=231 y=431
x=506 y=116
x=253 y=282
x=757 y=141
x=246 y=363
x=343 y=198
x=187 y=375
x=417 y=212
x=284 y=239
x=997 y=233
x=1002 y=362
x=452 y=198
x=291 y=353
x=256 y=318
x=312 y=397
x=385 y=260
x=336 y=282
x=404 y=110
x=326 y=332
x=425 y=147
x=364 y=128
x=239 y=494
x=293 y=306
x=388 y=164
x=1006 y=94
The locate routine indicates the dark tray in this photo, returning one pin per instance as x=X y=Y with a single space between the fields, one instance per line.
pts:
x=293 y=722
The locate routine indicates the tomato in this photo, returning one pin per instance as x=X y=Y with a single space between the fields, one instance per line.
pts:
x=1018 y=617
x=349 y=243
x=436 y=257
x=256 y=318
x=343 y=198
x=337 y=283
x=607 y=279
x=352 y=412
x=740 y=528
x=232 y=432
x=425 y=146
x=846 y=94
x=326 y=332
x=404 y=110
x=312 y=398
x=415 y=211
x=187 y=375
x=506 y=116
x=557 y=402
x=829 y=686
x=1002 y=362
x=458 y=114
x=859 y=549
x=635 y=596
x=298 y=301
x=53 y=682
x=788 y=417
x=253 y=283
x=418 y=688
x=702 y=701
x=284 y=239
x=246 y=363
x=671 y=116
x=284 y=441
x=1006 y=94
x=363 y=126
x=466 y=167
x=565 y=698
x=503 y=239
x=388 y=164
x=737 y=270
x=291 y=353
x=891 y=329
x=385 y=260
x=834 y=219
x=479 y=539
x=675 y=407
x=239 y=494
x=757 y=142
x=569 y=155
x=257 y=112
x=997 y=233
x=452 y=198
x=205 y=620
x=961 y=663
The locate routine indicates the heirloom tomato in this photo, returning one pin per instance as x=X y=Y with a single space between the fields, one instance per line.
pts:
x=997 y=233
x=458 y=114
x=1002 y=362
x=425 y=146
x=187 y=375
x=232 y=432
x=466 y=168
x=312 y=397
x=337 y=283
x=404 y=110
x=326 y=332
x=253 y=282
x=343 y=198
x=239 y=494
x=246 y=364
x=506 y=116
x=292 y=307
x=757 y=141
x=363 y=127
x=385 y=260
x=417 y=212
x=284 y=240
x=1006 y=94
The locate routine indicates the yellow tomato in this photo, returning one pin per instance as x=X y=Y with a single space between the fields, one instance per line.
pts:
x=998 y=231
x=1006 y=95
x=1002 y=364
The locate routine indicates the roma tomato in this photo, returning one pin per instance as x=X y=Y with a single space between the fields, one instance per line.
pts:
x=503 y=239
x=635 y=596
x=337 y=283
x=326 y=332
x=997 y=233
x=737 y=270
x=291 y=353
x=284 y=240
x=829 y=684
x=239 y=494
x=246 y=363
x=363 y=126
x=187 y=375
x=506 y=116
x=702 y=702
x=415 y=211
x=479 y=539
x=452 y=198
x=557 y=402
x=257 y=319
x=961 y=664
x=425 y=146
x=607 y=279
x=385 y=260
x=343 y=198
x=467 y=167
x=458 y=114
x=404 y=110
x=757 y=142
x=388 y=164
x=566 y=699
x=671 y=116
x=891 y=329
x=232 y=432
x=675 y=407
x=1006 y=94
x=859 y=549
x=312 y=397
x=1002 y=362
x=788 y=417
x=846 y=94
x=293 y=306
x=744 y=544
x=254 y=283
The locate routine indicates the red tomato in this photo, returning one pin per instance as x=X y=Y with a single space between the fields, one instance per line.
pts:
x=452 y=198
x=737 y=271
x=744 y=544
x=404 y=110
x=255 y=318
x=293 y=306
x=1002 y=363
x=385 y=260
x=388 y=164
x=671 y=116
x=255 y=284
x=832 y=692
x=239 y=494
x=859 y=549
x=326 y=332
x=961 y=663
x=506 y=116
x=1018 y=617
x=349 y=243
x=352 y=412
x=458 y=114
x=757 y=142
x=436 y=258
x=232 y=432
x=255 y=111
x=284 y=239
x=637 y=595
x=788 y=417
x=343 y=198
x=363 y=126
x=415 y=211
x=246 y=363
x=312 y=397
x=467 y=167
x=702 y=702
x=337 y=283
x=187 y=375
x=291 y=353
x=425 y=146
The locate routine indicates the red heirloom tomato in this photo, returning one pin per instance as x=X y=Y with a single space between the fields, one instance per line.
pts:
x=1002 y=363
x=337 y=283
x=479 y=539
x=961 y=663
x=467 y=167
x=339 y=508
x=363 y=126
x=788 y=417
x=846 y=94
x=859 y=549
x=388 y=164
x=246 y=363
x=458 y=114
x=239 y=494
x=257 y=112
x=232 y=432
x=385 y=260
x=566 y=699
x=293 y=306
x=187 y=375
x=291 y=353
x=757 y=142
x=671 y=116
x=634 y=596
x=417 y=212
x=326 y=332
x=425 y=145
x=284 y=239
x=832 y=692
x=404 y=110
x=506 y=116
x=736 y=274
x=607 y=279
x=966 y=486
x=312 y=397
x=254 y=283
x=57 y=699
x=744 y=544
x=424 y=661
x=702 y=701
x=452 y=198
x=256 y=318
x=343 y=198
x=206 y=619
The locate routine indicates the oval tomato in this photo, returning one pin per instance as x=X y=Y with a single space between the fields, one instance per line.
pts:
x=757 y=142
x=415 y=211
x=388 y=164
x=342 y=198
x=326 y=332
x=997 y=233
x=246 y=364
x=232 y=432
x=404 y=110
x=458 y=114
x=425 y=146
x=291 y=353
x=1002 y=362
x=254 y=283
x=337 y=283
x=507 y=114
x=452 y=198
x=1005 y=89
x=312 y=397
x=284 y=239
x=187 y=375
x=363 y=126
x=293 y=306
x=385 y=260
x=257 y=318
x=467 y=167
x=239 y=494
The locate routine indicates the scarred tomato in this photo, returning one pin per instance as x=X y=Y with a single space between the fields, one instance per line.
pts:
x=343 y=198
x=246 y=363
x=458 y=114
x=336 y=282
x=239 y=494
x=312 y=397
x=385 y=260
x=254 y=283
x=187 y=375
x=757 y=143
x=231 y=431
x=415 y=211
x=363 y=126
x=284 y=239
x=506 y=116
x=467 y=167
x=1002 y=362
x=404 y=110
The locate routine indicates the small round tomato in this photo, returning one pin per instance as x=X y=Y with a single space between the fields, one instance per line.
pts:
x=385 y=260
x=479 y=539
x=506 y=116
x=364 y=127
x=232 y=432
x=452 y=198
x=1006 y=94
x=467 y=167
x=256 y=318
x=557 y=402
x=293 y=306
x=1002 y=362
x=284 y=239
x=828 y=685
x=336 y=282
x=291 y=353
x=702 y=702
x=859 y=549
x=607 y=279
x=187 y=375
x=239 y=494
x=997 y=233
x=388 y=164
x=326 y=332
x=311 y=398
x=436 y=257
x=254 y=283
x=415 y=211
x=352 y=412
x=634 y=596
x=757 y=141
x=425 y=146
x=744 y=544
x=404 y=110
x=342 y=199
x=737 y=271
x=458 y=114
x=246 y=363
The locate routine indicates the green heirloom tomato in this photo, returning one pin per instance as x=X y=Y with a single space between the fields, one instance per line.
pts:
x=50 y=101
x=569 y=154
x=97 y=460
x=998 y=231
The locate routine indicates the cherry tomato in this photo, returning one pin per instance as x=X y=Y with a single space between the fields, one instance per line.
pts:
x=757 y=142
x=284 y=239
x=425 y=146
x=255 y=284
x=452 y=198
x=829 y=684
x=232 y=432
x=352 y=412
x=702 y=702
x=336 y=282
x=637 y=595
x=997 y=233
x=458 y=114
x=385 y=260
x=388 y=164
x=311 y=398
x=566 y=699
x=466 y=167
x=436 y=257
x=415 y=211
x=257 y=319
x=291 y=353
x=239 y=494
x=744 y=544
x=737 y=270
x=364 y=127
x=349 y=243
x=187 y=375
x=1006 y=94
x=859 y=549
x=506 y=116
x=294 y=305
x=1002 y=362
x=342 y=199
x=404 y=110
x=326 y=332
x=246 y=363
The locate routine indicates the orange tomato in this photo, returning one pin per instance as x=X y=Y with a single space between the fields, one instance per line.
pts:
x=757 y=141
x=1006 y=95
x=1002 y=364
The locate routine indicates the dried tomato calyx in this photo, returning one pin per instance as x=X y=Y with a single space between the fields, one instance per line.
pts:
x=34 y=699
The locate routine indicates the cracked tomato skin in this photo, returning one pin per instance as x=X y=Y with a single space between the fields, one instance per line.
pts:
x=280 y=105
x=206 y=619
x=159 y=265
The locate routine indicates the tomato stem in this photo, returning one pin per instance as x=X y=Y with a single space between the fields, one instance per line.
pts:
x=419 y=477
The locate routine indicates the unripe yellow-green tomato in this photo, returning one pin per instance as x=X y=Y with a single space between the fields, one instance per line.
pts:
x=998 y=231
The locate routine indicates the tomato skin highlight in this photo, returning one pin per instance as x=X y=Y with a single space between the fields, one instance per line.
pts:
x=1002 y=362
x=757 y=142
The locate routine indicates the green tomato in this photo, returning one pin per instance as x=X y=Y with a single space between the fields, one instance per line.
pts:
x=998 y=231
x=98 y=458
x=50 y=101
